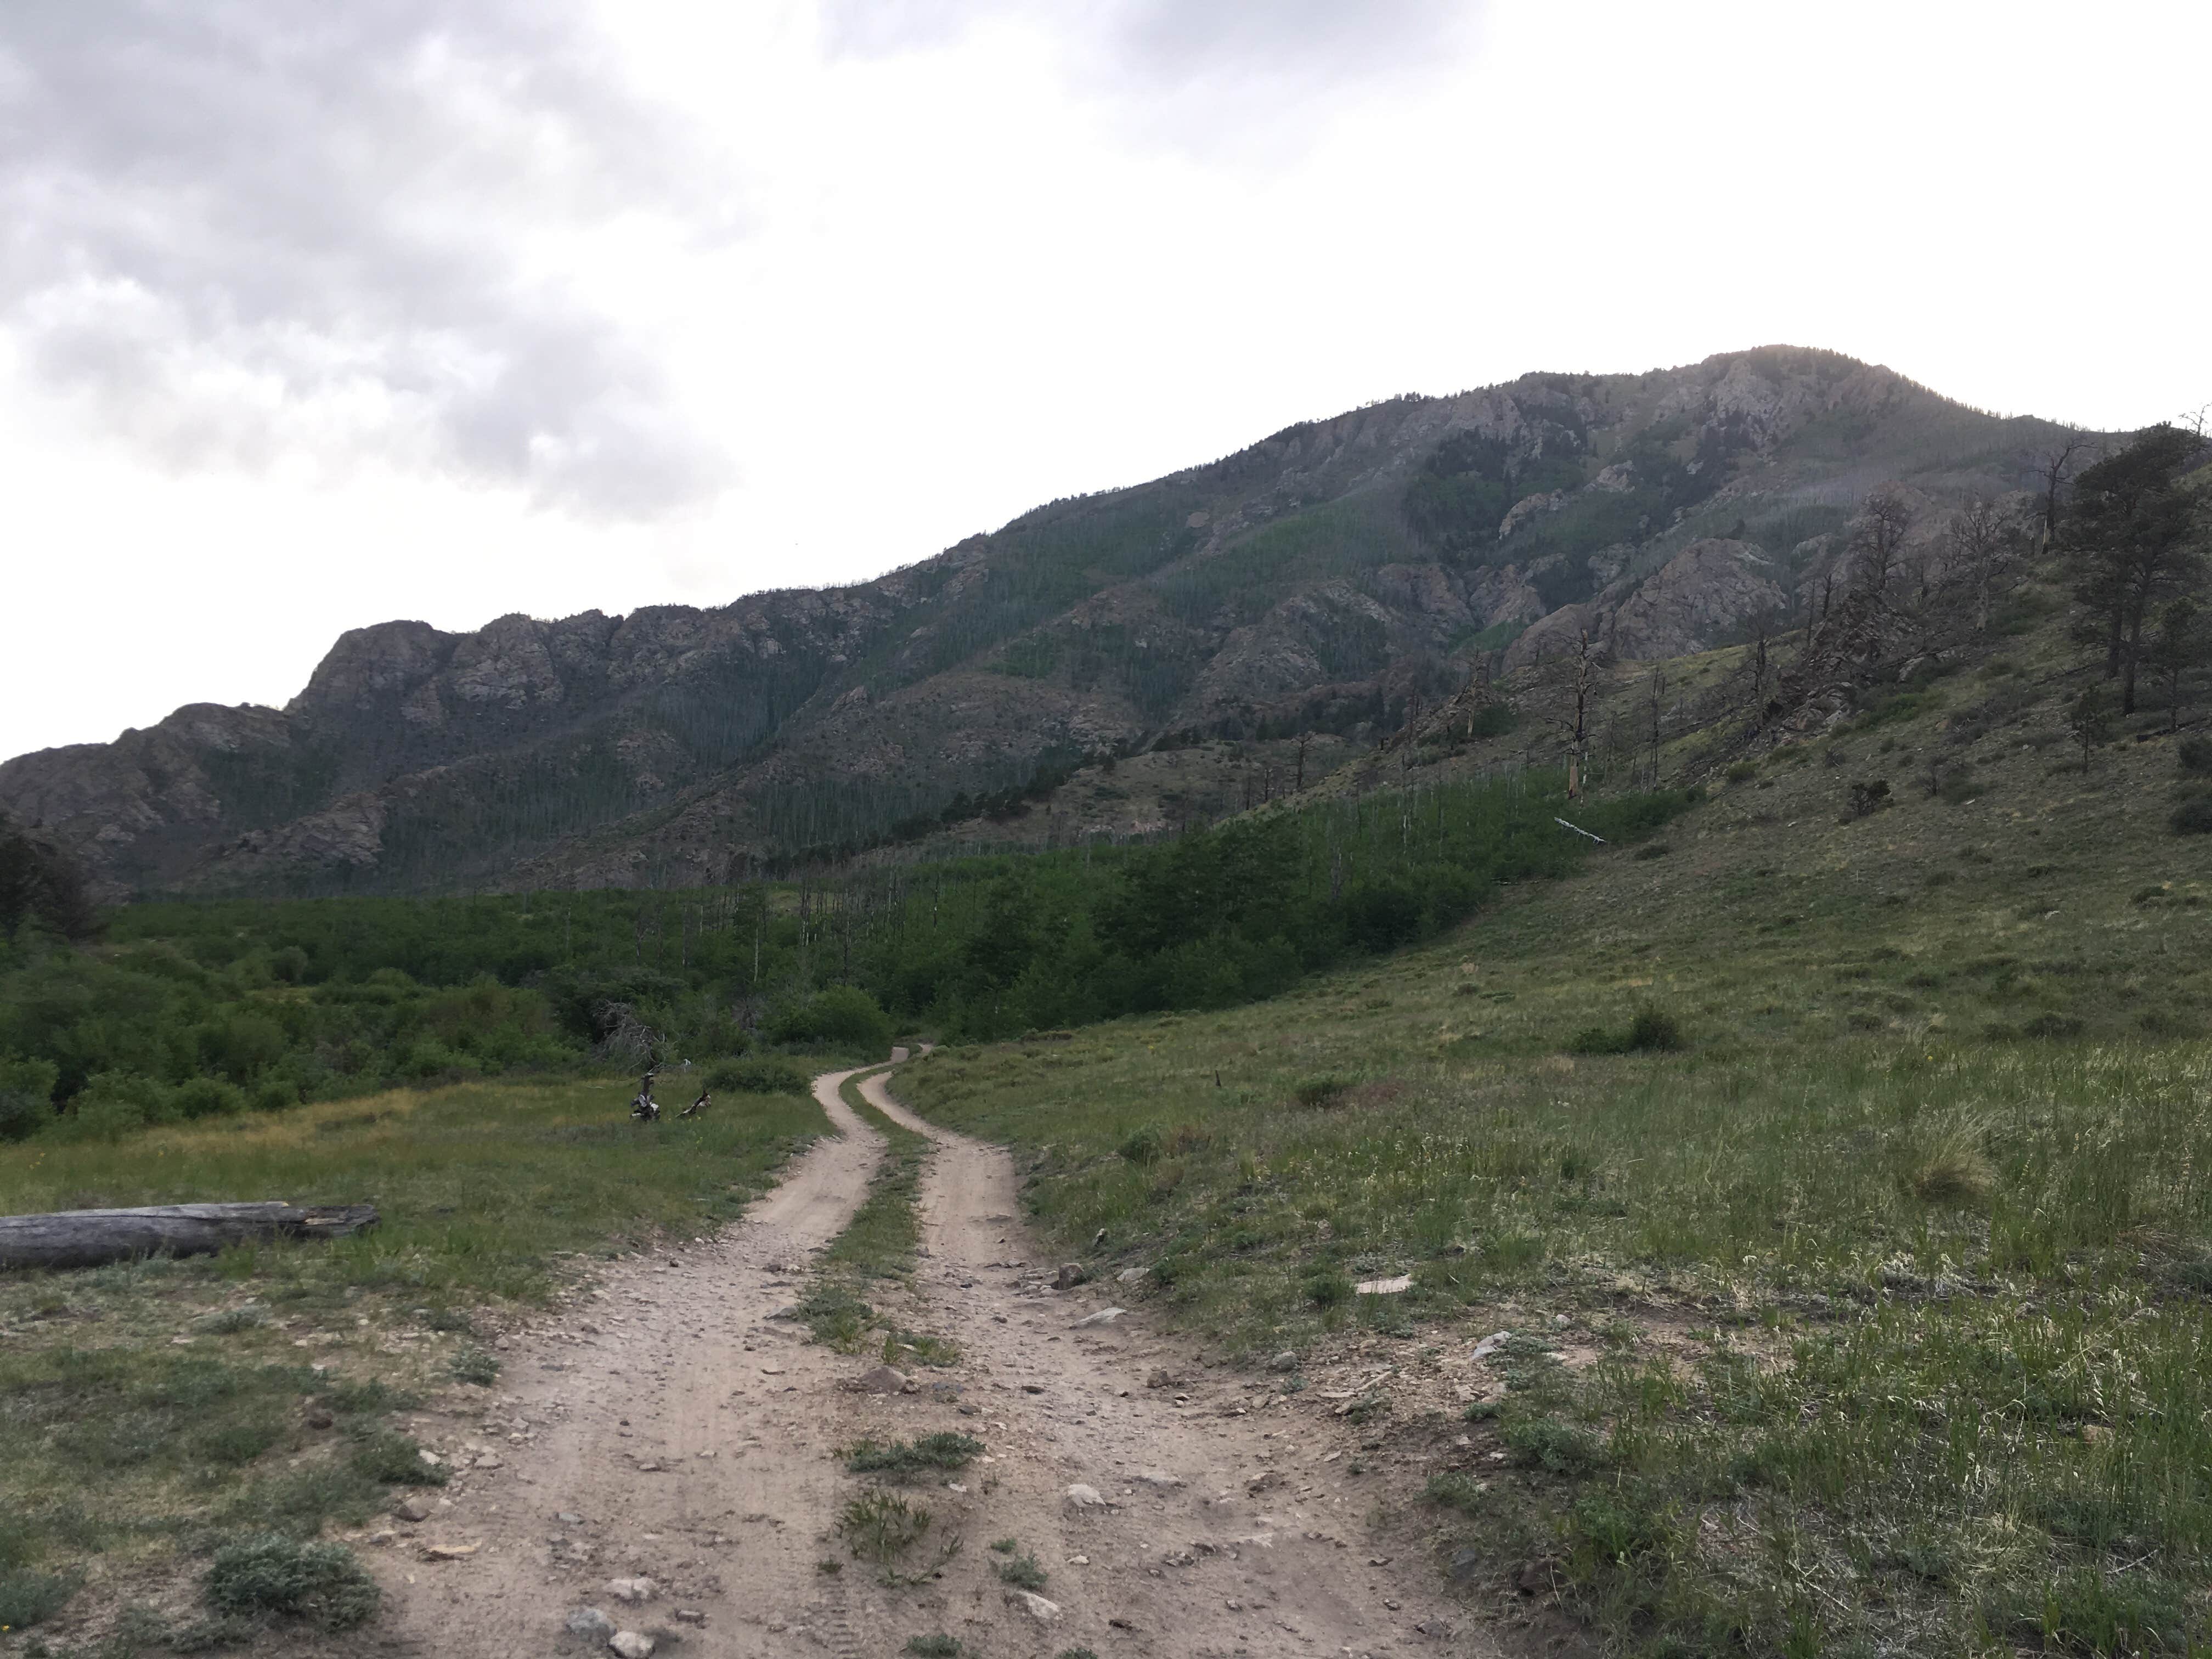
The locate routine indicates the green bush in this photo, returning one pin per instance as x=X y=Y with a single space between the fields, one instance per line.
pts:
x=102 y=1117
x=28 y=1597
x=843 y=1015
x=27 y=1096
x=1143 y=1146
x=207 y=1097
x=1653 y=1031
x=476 y=1365
x=759 y=1077
x=274 y=1097
x=271 y=1574
x=1327 y=1289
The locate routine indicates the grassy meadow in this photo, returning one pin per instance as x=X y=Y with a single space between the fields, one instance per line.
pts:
x=1845 y=1182
x=159 y=1412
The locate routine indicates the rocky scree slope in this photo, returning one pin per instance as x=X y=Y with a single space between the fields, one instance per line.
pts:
x=1333 y=576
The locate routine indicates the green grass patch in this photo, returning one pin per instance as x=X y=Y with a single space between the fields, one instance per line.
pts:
x=906 y=1459
x=878 y=1244
x=166 y=1397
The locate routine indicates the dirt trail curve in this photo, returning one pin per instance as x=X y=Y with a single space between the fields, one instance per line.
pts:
x=687 y=1438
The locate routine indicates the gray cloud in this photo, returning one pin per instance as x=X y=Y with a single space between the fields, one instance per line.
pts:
x=234 y=229
x=1194 y=68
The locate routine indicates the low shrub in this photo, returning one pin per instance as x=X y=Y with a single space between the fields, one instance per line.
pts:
x=1652 y=1031
x=843 y=1015
x=2193 y=757
x=29 y=1597
x=393 y=1460
x=1023 y=1572
x=207 y=1097
x=27 y=1091
x=1142 y=1147
x=474 y=1364
x=1955 y=1171
x=271 y=1574
x=765 y=1076
x=2193 y=817
x=879 y=1526
x=1327 y=1289
x=1868 y=797
x=1322 y=1090
x=1561 y=1448
x=1453 y=1490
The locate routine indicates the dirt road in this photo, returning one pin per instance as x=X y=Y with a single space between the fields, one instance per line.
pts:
x=678 y=1432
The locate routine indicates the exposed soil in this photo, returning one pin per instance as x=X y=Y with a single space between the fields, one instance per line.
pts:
x=692 y=1437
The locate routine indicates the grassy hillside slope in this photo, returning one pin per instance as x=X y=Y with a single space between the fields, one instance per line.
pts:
x=1872 y=1317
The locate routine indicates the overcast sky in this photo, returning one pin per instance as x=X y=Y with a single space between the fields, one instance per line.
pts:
x=313 y=315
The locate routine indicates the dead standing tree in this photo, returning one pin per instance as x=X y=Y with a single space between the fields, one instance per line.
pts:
x=1985 y=547
x=1573 y=687
x=2054 y=469
x=1878 y=541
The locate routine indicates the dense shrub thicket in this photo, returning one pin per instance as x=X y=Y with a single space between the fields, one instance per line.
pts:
x=190 y=1011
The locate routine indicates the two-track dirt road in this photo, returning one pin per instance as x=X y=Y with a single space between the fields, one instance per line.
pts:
x=676 y=1431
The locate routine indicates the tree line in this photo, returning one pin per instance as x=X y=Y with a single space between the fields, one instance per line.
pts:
x=194 y=1009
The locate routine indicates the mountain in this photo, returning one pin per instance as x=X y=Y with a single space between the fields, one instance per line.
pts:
x=1331 y=577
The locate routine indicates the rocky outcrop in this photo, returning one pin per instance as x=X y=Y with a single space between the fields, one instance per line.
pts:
x=1704 y=596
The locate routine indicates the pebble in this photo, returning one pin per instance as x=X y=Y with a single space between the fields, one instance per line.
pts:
x=411 y=1508
x=591 y=1623
x=568 y=1520
x=1105 y=1317
x=1070 y=1275
x=631 y=1645
x=1037 y=1607
x=690 y=1616
x=1156 y=1478
x=1085 y=1497
x=1490 y=1344
x=1285 y=1361
x=1129 y=1275
x=883 y=1379
x=632 y=1589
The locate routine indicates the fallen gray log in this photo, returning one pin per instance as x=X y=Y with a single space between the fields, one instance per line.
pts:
x=88 y=1238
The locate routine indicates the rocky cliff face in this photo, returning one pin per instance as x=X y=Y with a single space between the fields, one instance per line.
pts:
x=1705 y=596
x=1337 y=571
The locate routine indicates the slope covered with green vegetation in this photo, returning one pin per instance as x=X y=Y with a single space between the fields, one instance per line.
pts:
x=1835 y=1157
